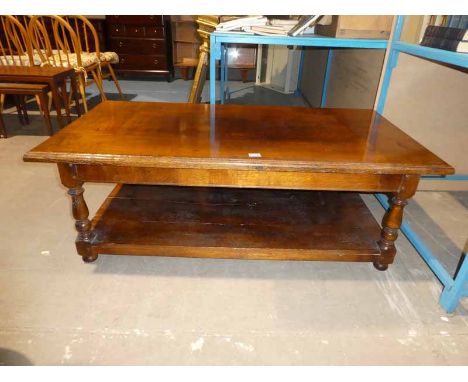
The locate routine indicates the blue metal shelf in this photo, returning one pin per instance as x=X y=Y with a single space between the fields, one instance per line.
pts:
x=308 y=40
x=217 y=41
x=454 y=288
x=445 y=56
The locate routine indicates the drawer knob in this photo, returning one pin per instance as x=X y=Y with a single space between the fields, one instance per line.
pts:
x=136 y=30
x=116 y=29
x=155 y=45
x=122 y=60
x=121 y=43
x=156 y=61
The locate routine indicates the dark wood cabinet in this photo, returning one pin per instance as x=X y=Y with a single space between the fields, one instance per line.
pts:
x=143 y=43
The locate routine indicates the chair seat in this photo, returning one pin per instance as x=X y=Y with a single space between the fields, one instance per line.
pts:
x=19 y=60
x=110 y=57
x=62 y=60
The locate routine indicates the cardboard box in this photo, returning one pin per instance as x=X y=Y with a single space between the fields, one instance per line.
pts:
x=372 y=27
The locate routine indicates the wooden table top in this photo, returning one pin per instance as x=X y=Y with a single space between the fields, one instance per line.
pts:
x=33 y=71
x=180 y=135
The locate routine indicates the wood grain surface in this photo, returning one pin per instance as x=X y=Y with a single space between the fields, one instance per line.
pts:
x=176 y=135
x=235 y=223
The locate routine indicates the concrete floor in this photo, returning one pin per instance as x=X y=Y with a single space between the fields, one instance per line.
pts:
x=56 y=310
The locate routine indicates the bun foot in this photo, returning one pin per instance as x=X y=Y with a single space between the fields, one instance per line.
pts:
x=89 y=259
x=379 y=266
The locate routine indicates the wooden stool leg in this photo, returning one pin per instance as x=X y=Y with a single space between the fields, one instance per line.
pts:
x=80 y=212
x=3 y=133
x=392 y=221
x=184 y=72
x=57 y=102
x=74 y=93
x=45 y=111
x=244 y=74
x=116 y=82
x=19 y=109
x=25 y=110
x=65 y=100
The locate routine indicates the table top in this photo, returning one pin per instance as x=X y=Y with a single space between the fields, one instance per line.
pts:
x=260 y=138
x=8 y=71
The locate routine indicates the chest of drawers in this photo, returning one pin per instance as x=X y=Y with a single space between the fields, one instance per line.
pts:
x=143 y=44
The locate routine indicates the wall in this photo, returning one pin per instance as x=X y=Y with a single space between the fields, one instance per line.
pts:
x=354 y=77
x=313 y=73
x=428 y=101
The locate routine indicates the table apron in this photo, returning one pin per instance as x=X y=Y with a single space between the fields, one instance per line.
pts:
x=239 y=178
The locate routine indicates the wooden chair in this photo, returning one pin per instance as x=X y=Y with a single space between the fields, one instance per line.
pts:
x=16 y=49
x=64 y=50
x=89 y=44
x=15 y=46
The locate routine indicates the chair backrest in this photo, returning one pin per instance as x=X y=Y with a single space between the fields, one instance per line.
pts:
x=15 y=46
x=61 y=48
x=86 y=33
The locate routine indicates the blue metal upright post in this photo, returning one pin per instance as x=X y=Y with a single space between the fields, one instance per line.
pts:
x=323 y=101
x=391 y=63
x=214 y=52
x=452 y=294
x=222 y=74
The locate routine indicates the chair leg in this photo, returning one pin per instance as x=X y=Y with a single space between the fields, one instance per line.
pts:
x=98 y=80
x=43 y=106
x=82 y=85
x=114 y=78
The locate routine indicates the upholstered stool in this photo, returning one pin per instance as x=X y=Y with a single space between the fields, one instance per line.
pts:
x=22 y=89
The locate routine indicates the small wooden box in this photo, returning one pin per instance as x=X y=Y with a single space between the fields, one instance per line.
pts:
x=373 y=27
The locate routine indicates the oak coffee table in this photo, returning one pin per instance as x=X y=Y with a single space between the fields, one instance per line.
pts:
x=239 y=182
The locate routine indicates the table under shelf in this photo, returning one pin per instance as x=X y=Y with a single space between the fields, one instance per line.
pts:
x=235 y=223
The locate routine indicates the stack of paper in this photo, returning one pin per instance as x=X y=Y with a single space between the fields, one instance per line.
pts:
x=268 y=30
x=260 y=25
x=240 y=23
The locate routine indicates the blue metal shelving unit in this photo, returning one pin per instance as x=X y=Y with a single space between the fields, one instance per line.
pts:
x=219 y=40
x=454 y=287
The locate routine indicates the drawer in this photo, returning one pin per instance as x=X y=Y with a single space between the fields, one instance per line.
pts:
x=135 y=31
x=140 y=46
x=156 y=20
x=116 y=30
x=140 y=62
x=154 y=31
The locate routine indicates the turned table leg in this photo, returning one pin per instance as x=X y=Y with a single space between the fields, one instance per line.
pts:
x=80 y=212
x=391 y=221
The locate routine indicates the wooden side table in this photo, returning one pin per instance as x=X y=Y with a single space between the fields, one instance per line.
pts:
x=54 y=77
